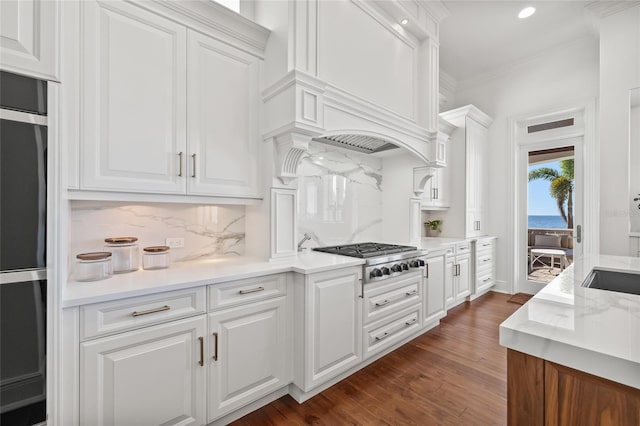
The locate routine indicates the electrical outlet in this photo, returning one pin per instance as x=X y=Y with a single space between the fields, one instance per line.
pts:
x=175 y=242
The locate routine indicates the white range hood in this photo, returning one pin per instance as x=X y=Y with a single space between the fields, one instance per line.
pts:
x=378 y=95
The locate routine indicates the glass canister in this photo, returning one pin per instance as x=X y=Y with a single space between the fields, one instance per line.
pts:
x=126 y=256
x=93 y=266
x=156 y=257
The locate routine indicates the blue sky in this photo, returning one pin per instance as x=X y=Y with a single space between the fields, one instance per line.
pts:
x=540 y=202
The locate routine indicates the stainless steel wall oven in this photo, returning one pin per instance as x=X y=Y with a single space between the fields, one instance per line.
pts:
x=23 y=256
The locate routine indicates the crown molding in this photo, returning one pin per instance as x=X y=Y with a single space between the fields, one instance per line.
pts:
x=215 y=20
x=457 y=116
x=504 y=70
x=596 y=11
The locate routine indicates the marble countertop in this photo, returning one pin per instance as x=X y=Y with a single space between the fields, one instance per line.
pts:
x=197 y=273
x=590 y=330
x=212 y=271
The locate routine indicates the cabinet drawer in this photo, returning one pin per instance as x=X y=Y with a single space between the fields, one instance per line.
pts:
x=451 y=251
x=485 y=244
x=113 y=317
x=385 y=333
x=484 y=259
x=484 y=281
x=246 y=291
x=381 y=299
x=463 y=248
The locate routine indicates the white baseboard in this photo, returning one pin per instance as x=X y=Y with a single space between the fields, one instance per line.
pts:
x=501 y=287
x=241 y=412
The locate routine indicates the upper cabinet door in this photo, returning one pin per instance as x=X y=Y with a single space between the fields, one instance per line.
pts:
x=134 y=100
x=223 y=127
x=28 y=37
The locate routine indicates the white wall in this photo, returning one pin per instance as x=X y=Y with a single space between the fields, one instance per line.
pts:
x=619 y=72
x=564 y=75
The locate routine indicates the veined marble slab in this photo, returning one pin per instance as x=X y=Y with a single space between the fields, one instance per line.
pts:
x=208 y=231
x=339 y=196
x=591 y=330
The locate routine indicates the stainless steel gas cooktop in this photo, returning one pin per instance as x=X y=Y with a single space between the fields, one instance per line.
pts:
x=382 y=260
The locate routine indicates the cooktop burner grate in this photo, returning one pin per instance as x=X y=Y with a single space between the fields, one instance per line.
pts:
x=365 y=250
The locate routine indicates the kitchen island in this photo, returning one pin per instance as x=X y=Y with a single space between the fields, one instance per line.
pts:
x=562 y=333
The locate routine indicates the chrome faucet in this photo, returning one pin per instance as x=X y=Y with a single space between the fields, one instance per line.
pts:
x=303 y=240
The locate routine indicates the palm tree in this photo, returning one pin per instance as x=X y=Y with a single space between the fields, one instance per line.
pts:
x=561 y=187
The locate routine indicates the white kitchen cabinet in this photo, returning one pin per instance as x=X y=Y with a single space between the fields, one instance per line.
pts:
x=223 y=119
x=28 y=37
x=458 y=277
x=436 y=191
x=434 y=292
x=485 y=255
x=476 y=145
x=248 y=354
x=134 y=99
x=151 y=376
x=166 y=109
x=468 y=174
x=330 y=326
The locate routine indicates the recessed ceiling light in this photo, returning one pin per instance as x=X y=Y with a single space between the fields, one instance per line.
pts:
x=526 y=12
x=404 y=21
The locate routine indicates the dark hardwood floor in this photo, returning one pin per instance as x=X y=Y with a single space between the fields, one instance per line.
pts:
x=455 y=374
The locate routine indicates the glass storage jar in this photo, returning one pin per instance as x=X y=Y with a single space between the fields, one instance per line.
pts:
x=126 y=256
x=93 y=266
x=156 y=257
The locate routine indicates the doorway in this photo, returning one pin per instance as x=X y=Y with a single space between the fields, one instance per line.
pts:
x=553 y=204
x=555 y=135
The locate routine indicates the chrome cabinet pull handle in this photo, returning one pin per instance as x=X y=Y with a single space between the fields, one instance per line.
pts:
x=411 y=321
x=486 y=260
x=193 y=164
x=253 y=290
x=201 y=362
x=412 y=292
x=150 y=311
x=215 y=346
x=384 y=302
x=384 y=336
x=486 y=279
x=180 y=164
x=486 y=245
x=426 y=270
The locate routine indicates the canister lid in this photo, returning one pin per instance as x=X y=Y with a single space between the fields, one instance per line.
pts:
x=156 y=249
x=97 y=255
x=120 y=240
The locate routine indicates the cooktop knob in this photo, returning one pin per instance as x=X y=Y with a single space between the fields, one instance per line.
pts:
x=386 y=271
x=375 y=273
x=420 y=262
x=414 y=264
x=396 y=268
x=405 y=267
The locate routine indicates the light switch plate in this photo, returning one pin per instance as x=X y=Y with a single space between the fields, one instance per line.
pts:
x=175 y=242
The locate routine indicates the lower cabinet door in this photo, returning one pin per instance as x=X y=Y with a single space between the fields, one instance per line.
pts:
x=153 y=376
x=435 y=305
x=247 y=354
x=333 y=329
x=449 y=280
x=464 y=277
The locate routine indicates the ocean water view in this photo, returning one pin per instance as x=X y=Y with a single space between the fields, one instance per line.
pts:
x=539 y=221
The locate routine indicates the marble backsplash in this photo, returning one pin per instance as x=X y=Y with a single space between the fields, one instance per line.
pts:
x=339 y=196
x=208 y=231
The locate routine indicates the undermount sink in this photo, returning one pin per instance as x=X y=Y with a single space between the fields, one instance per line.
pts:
x=622 y=282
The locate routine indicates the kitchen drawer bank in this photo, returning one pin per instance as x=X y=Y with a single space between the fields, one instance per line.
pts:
x=215 y=352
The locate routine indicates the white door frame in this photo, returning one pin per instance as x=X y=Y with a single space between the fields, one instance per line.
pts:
x=584 y=114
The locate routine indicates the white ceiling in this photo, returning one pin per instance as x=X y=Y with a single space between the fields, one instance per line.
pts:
x=481 y=36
